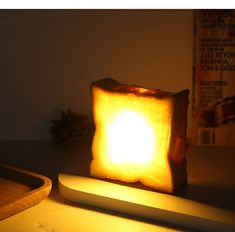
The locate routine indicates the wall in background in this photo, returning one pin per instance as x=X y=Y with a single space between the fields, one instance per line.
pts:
x=49 y=58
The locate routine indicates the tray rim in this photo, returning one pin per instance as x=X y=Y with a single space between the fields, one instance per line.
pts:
x=19 y=204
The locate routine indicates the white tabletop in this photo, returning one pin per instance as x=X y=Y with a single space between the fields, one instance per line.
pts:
x=54 y=214
x=211 y=170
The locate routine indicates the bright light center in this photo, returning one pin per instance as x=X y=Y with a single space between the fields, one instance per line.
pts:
x=130 y=139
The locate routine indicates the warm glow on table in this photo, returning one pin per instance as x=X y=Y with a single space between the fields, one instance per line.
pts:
x=146 y=204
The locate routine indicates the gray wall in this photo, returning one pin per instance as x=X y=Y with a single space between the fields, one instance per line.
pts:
x=49 y=58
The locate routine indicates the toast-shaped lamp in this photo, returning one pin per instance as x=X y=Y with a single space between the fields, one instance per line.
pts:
x=140 y=135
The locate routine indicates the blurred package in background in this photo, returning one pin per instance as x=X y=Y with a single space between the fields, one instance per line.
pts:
x=214 y=78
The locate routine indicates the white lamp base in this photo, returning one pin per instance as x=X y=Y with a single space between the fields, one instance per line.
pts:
x=145 y=204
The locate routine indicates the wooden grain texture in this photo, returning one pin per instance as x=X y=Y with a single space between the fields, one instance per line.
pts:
x=20 y=189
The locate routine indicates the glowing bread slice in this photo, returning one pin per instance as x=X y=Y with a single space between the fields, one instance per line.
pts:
x=140 y=135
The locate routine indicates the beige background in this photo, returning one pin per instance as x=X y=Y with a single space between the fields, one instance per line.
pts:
x=49 y=58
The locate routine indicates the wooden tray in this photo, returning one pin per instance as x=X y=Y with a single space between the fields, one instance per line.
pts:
x=20 y=189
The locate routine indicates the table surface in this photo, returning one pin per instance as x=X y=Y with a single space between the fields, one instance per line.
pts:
x=211 y=173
